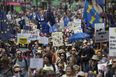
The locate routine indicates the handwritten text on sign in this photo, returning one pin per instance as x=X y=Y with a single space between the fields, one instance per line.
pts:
x=57 y=38
x=112 y=42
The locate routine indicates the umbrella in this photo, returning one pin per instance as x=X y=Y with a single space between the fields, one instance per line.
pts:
x=78 y=36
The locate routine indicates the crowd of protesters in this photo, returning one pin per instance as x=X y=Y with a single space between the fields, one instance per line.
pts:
x=78 y=60
x=70 y=61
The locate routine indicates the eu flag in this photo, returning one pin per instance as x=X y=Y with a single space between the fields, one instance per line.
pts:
x=91 y=16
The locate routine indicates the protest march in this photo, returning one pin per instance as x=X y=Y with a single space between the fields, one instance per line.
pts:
x=57 y=38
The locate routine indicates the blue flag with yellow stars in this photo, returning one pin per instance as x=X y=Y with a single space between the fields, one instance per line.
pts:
x=91 y=16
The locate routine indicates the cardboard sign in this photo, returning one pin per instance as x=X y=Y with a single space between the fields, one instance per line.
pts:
x=101 y=36
x=36 y=63
x=57 y=38
x=112 y=42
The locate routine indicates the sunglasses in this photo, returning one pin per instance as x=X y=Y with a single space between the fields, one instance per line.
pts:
x=17 y=71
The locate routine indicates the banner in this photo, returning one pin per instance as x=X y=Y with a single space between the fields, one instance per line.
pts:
x=57 y=38
x=112 y=42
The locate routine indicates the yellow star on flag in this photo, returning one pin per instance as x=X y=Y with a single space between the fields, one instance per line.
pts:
x=89 y=8
x=92 y=19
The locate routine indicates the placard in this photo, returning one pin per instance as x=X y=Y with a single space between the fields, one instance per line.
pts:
x=112 y=42
x=23 y=38
x=57 y=38
x=102 y=66
x=101 y=36
x=36 y=63
x=99 y=27
x=75 y=26
x=44 y=40
x=34 y=35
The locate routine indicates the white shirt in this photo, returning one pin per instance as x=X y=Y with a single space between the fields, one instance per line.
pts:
x=48 y=67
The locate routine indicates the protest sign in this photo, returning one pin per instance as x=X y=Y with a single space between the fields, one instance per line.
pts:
x=34 y=35
x=57 y=38
x=75 y=26
x=99 y=27
x=36 y=63
x=23 y=38
x=44 y=40
x=112 y=42
x=102 y=66
x=100 y=34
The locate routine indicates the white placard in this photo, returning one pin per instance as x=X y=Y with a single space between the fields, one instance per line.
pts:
x=44 y=40
x=100 y=34
x=112 y=42
x=99 y=27
x=75 y=26
x=102 y=66
x=36 y=63
x=57 y=38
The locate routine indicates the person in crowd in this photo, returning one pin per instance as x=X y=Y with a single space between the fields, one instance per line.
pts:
x=71 y=60
x=16 y=71
x=85 y=56
x=76 y=68
x=5 y=68
x=111 y=69
x=69 y=72
x=93 y=70
x=48 y=65
x=39 y=53
x=60 y=69
x=22 y=62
